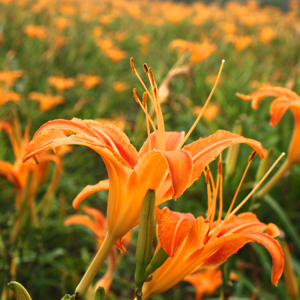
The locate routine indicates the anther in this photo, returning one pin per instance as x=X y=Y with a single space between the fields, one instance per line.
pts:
x=132 y=64
x=151 y=75
x=135 y=96
x=251 y=156
x=144 y=99
x=146 y=69
x=207 y=177
x=155 y=92
x=220 y=167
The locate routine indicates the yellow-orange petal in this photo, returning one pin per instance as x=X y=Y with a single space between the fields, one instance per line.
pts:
x=88 y=190
x=180 y=169
x=273 y=230
x=87 y=222
x=172 y=140
x=258 y=95
x=277 y=109
x=172 y=229
x=206 y=150
x=96 y=214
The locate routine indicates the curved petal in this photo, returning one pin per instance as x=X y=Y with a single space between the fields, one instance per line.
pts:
x=228 y=245
x=172 y=229
x=96 y=214
x=172 y=140
x=90 y=189
x=7 y=171
x=206 y=150
x=258 y=95
x=277 y=109
x=87 y=222
x=294 y=147
x=107 y=134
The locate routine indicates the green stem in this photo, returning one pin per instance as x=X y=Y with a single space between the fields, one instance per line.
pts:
x=278 y=175
x=95 y=265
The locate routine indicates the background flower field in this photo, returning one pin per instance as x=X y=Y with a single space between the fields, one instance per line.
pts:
x=65 y=59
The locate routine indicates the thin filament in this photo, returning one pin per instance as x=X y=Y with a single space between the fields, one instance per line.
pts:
x=204 y=107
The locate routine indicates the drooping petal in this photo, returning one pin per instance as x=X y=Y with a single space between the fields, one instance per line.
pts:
x=277 y=109
x=172 y=140
x=90 y=189
x=294 y=147
x=258 y=95
x=96 y=214
x=172 y=229
x=107 y=134
x=206 y=150
x=85 y=221
x=7 y=171
x=222 y=248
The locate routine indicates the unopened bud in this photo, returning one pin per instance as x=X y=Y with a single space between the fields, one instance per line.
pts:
x=100 y=294
x=264 y=165
x=19 y=291
x=289 y=273
x=145 y=237
x=158 y=259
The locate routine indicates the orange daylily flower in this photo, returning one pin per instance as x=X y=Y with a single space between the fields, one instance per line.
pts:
x=206 y=281
x=61 y=83
x=6 y=96
x=266 y=35
x=90 y=81
x=119 y=87
x=198 y=51
x=209 y=114
x=36 y=31
x=97 y=223
x=9 y=77
x=194 y=244
x=242 y=42
x=285 y=99
x=47 y=101
x=162 y=164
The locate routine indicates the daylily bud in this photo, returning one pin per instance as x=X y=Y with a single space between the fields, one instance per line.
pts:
x=19 y=291
x=264 y=165
x=100 y=294
x=158 y=259
x=145 y=237
x=289 y=274
x=66 y=297
x=233 y=152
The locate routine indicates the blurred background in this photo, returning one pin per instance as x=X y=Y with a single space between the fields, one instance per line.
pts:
x=70 y=58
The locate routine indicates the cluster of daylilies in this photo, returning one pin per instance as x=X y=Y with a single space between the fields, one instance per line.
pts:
x=171 y=246
x=139 y=182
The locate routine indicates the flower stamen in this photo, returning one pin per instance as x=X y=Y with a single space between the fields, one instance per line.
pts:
x=204 y=107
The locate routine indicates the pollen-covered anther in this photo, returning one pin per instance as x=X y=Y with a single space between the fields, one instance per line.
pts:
x=151 y=75
x=132 y=64
x=144 y=99
x=155 y=92
x=220 y=167
x=207 y=177
x=146 y=69
x=251 y=156
x=135 y=96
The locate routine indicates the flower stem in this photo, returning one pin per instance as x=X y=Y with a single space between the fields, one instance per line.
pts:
x=278 y=175
x=95 y=265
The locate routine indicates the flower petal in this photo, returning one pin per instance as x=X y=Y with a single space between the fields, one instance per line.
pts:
x=173 y=227
x=258 y=95
x=206 y=150
x=277 y=109
x=90 y=189
x=172 y=140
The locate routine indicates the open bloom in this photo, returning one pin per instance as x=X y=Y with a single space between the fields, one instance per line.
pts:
x=194 y=244
x=285 y=99
x=162 y=164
